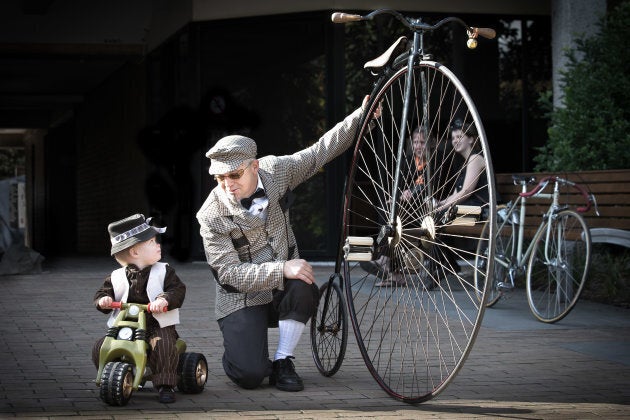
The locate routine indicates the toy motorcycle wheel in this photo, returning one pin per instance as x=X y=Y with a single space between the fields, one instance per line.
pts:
x=193 y=372
x=117 y=383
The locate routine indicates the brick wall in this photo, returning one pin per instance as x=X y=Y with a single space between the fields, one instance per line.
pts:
x=111 y=170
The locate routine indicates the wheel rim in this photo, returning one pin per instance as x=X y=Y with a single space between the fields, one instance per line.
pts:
x=556 y=275
x=414 y=340
x=127 y=385
x=201 y=373
x=503 y=255
x=329 y=331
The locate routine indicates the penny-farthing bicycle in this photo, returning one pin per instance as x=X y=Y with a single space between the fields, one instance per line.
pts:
x=407 y=261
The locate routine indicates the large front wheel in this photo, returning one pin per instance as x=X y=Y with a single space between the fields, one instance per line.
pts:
x=558 y=266
x=414 y=307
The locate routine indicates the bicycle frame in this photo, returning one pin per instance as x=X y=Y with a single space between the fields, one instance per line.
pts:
x=519 y=256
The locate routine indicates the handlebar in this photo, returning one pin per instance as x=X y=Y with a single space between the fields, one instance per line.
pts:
x=416 y=24
x=588 y=198
x=123 y=305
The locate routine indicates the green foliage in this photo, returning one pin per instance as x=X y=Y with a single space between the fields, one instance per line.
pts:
x=609 y=275
x=591 y=131
x=11 y=162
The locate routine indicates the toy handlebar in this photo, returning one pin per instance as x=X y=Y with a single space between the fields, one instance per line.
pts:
x=123 y=305
x=588 y=198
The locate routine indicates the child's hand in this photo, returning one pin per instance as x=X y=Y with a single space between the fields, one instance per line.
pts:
x=158 y=305
x=105 y=302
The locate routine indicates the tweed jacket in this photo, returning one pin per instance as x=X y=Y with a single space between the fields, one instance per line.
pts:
x=246 y=254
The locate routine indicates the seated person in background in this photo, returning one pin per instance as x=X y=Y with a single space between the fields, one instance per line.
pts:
x=471 y=186
x=382 y=267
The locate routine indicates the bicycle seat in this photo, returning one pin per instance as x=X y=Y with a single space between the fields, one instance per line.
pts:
x=523 y=179
x=393 y=51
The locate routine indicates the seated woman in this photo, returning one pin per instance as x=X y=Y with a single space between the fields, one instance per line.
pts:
x=471 y=186
x=422 y=151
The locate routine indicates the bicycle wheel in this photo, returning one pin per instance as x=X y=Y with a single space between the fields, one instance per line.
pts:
x=503 y=257
x=558 y=266
x=415 y=338
x=329 y=330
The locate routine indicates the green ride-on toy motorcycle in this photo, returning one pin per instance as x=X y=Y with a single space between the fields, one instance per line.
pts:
x=123 y=358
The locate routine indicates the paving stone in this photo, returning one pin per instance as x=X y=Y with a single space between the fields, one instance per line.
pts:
x=518 y=367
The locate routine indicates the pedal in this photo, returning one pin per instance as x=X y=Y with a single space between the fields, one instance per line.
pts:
x=358 y=248
x=504 y=287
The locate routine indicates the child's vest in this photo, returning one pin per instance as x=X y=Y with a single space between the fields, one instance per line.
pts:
x=155 y=286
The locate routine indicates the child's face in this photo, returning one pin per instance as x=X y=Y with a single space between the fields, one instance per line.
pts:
x=148 y=253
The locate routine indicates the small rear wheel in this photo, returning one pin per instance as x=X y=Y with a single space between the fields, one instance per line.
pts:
x=329 y=330
x=117 y=383
x=193 y=373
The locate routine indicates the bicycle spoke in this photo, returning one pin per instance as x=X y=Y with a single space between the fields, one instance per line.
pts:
x=558 y=266
x=414 y=338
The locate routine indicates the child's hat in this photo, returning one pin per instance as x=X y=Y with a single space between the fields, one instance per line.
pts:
x=132 y=230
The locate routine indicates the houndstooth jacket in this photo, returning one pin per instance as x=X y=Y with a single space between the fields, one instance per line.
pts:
x=246 y=254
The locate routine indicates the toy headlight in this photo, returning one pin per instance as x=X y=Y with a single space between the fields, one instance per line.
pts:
x=134 y=310
x=125 y=333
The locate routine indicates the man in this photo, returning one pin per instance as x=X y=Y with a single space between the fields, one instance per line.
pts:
x=252 y=252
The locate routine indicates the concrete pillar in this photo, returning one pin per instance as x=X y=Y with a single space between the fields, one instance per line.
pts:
x=570 y=19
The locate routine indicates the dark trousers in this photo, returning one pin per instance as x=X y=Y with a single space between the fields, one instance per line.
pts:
x=163 y=356
x=245 y=340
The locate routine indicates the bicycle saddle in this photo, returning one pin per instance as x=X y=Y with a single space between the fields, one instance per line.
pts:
x=396 y=48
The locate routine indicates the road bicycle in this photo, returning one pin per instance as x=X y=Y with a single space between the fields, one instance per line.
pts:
x=414 y=333
x=557 y=260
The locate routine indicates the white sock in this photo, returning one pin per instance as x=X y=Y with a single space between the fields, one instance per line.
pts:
x=290 y=333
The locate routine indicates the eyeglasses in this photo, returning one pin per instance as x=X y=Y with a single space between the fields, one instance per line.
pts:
x=233 y=175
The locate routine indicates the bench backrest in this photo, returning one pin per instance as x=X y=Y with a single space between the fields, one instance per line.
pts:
x=611 y=189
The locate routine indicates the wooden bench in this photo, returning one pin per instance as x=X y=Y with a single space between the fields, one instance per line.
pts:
x=612 y=193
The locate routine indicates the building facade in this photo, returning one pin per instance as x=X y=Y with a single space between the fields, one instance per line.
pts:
x=177 y=76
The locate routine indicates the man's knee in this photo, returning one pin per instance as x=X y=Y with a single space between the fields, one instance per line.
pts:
x=249 y=378
x=302 y=300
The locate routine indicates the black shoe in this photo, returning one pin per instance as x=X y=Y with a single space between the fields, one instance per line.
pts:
x=378 y=267
x=167 y=394
x=284 y=377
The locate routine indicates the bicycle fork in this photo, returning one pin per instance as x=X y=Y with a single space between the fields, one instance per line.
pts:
x=391 y=231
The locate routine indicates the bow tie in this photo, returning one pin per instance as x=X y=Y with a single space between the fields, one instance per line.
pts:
x=247 y=202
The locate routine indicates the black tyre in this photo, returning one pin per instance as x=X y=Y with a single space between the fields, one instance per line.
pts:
x=193 y=373
x=558 y=266
x=504 y=255
x=117 y=383
x=414 y=339
x=329 y=330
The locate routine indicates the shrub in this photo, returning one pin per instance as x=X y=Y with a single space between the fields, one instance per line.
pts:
x=609 y=275
x=591 y=131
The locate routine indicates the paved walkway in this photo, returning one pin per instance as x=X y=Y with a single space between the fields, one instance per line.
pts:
x=519 y=368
